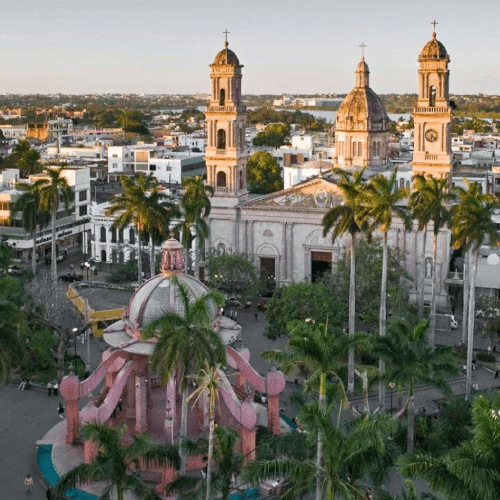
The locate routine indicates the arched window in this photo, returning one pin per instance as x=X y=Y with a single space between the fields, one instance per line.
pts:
x=374 y=149
x=401 y=183
x=131 y=237
x=221 y=179
x=103 y=255
x=120 y=236
x=103 y=234
x=360 y=149
x=222 y=97
x=432 y=96
x=408 y=184
x=378 y=149
x=221 y=139
x=241 y=180
x=354 y=149
x=113 y=235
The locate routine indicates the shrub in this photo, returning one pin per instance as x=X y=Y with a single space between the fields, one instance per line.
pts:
x=486 y=357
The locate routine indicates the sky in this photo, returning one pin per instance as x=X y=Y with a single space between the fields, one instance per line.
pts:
x=286 y=46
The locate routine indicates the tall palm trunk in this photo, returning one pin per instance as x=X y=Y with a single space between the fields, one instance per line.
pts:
x=53 y=264
x=183 y=433
x=421 y=276
x=319 y=451
x=382 y=319
x=465 y=315
x=139 y=255
x=470 y=338
x=411 y=417
x=33 y=254
x=352 y=316
x=152 y=270
x=211 y=434
x=432 y=337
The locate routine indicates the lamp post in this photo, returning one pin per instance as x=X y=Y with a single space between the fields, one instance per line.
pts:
x=87 y=266
x=76 y=362
x=391 y=385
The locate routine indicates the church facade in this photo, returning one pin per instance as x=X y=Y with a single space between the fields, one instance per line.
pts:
x=282 y=231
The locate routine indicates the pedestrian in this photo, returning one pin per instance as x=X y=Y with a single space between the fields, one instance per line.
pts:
x=49 y=388
x=28 y=483
x=232 y=314
x=256 y=316
x=60 y=411
x=49 y=493
x=56 y=388
x=23 y=384
x=497 y=369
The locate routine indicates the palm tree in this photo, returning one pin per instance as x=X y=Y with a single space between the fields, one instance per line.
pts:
x=472 y=226
x=135 y=208
x=381 y=202
x=27 y=158
x=410 y=359
x=186 y=341
x=470 y=470
x=347 y=219
x=433 y=197
x=196 y=206
x=321 y=351
x=354 y=454
x=418 y=205
x=54 y=190
x=115 y=462
x=209 y=380
x=29 y=206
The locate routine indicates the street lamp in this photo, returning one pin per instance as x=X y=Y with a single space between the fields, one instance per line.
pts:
x=391 y=385
x=87 y=266
x=75 y=330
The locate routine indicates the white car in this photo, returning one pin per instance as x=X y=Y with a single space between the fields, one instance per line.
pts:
x=453 y=322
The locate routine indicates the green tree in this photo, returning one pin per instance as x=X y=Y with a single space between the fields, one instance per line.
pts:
x=471 y=226
x=133 y=121
x=6 y=256
x=469 y=471
x=321 y=351
x=54 y=191
x=26 y=158
x=410 y=359
x=263 y=173
x=196 y=207
x=133 y=207
x=490 y=317
x=348 y=218
x=382 y=202
x=28 y=204
x=302 y=301
x=186 y=341
x=359 y=452
x=234 y=273
x=118 y=463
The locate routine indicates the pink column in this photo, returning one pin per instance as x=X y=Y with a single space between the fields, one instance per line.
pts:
x=247 y=444
x=170 y=412
x=169 y=475
x=130 y=408
x=70 y=391
x=273 y=414
x=89 y=451
x=140 y=402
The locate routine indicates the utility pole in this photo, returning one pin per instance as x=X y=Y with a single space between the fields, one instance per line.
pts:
x=87 y=366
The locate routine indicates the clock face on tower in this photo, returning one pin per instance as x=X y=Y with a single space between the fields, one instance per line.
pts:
x=431 y=135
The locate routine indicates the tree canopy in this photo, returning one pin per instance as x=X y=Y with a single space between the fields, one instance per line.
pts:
x=263 y=173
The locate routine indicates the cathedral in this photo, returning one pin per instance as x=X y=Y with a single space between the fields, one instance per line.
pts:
x=282 y=231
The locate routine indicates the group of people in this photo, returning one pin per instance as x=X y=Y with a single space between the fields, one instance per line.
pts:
x=52 y=388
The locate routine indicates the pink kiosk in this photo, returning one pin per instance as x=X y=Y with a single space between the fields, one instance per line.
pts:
x=131 y=393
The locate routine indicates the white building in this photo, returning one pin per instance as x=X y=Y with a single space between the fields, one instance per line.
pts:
x=83 y=153
x=13 y=131
x=71 y=224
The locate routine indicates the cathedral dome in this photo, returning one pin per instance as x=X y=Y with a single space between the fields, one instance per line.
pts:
x=227 y=57
x=434 y=50
x=361 y=106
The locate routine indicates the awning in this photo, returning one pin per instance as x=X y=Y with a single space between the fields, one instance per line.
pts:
x=20 y=244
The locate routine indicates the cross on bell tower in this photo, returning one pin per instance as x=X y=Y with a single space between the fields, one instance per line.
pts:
x=363 y=50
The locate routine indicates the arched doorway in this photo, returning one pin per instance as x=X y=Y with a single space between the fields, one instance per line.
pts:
x=221 y=179
x=103 y=256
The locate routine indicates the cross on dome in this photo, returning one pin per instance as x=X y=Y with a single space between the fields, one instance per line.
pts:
x=363 y=50
x=226 y=32
x=434 y=24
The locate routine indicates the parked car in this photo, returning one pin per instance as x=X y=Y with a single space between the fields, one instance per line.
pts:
x=453 y=322
x=15 y=271
x=59 y=257
x=232 y=300
x=71 y=277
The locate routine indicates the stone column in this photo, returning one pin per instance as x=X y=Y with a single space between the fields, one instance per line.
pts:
x=250 y=238
x=273 y=414
x=70 y=391
x=131 y=396
x=284 y=252
x=244 y=229
x=248 y=444
x=289 y=253
x=141 y=400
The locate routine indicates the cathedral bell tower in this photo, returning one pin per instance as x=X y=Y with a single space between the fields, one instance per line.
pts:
x=432 y=115
x=226 y=118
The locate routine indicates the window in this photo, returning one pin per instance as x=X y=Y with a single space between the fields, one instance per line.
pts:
x=82 y=195
x=432 y=96
x=113 y=235
x=103 y=255
x=103 y=235
x=131 y=237
x=120 y=236
x=222 y=97
x=401 y=183
x=221 y=139
x=82 y=210
x=408 y=184
x=116 y=156
x=221 y=179
x=115 y=165
x=360 y=149
x=169 y=168
x=152 y=167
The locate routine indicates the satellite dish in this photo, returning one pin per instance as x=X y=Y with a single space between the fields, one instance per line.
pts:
x=493 y=259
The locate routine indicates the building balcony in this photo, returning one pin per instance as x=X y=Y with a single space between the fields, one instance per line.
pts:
x=425 y=110
x=220 y=152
